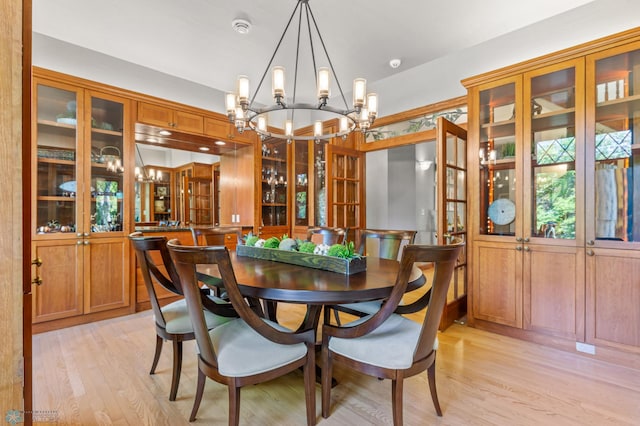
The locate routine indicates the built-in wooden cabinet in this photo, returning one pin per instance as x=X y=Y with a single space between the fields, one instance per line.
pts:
x=274 y=195
x=80 y=201
x=554 y=236
x=194 y=194
x=168 y=118
x=226 y=130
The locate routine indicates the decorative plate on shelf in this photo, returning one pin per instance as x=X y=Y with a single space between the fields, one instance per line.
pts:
x=502 y=211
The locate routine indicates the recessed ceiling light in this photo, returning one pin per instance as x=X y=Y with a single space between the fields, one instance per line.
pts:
x=164 y=133
x=395 y=63
x=204 y=148
x=241 y=26
x=220 y=143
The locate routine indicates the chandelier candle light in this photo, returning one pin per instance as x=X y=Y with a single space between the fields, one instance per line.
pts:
x=243 y=112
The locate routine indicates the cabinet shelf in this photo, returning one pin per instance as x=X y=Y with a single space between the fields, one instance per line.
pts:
x=106 y=132
x=274 y=204
x=554 y=119
x=55 y=198
x=275 y=159
x=618 y=108
x=56 y=161
x=56 y=125
x=499 y=129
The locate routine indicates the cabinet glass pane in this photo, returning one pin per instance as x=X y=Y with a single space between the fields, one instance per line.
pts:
x=162 y=197
x=57 y=138
x=617 y=148
x=320 y=188
x=301 y=173
x=107 y=180
x=553 y=155
x=274 y=183
x=497 y=160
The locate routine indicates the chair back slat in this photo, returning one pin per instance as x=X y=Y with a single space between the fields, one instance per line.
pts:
x=326 y=235
x=215 y=236
x=387 y=244
x=145 y=247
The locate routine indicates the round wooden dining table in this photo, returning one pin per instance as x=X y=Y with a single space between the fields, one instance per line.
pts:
x=273 y=281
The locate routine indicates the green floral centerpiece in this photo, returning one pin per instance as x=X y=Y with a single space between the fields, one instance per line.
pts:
x=340 y=258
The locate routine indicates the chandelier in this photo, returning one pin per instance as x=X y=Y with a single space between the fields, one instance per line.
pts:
x=144 y=175
x=246 y=115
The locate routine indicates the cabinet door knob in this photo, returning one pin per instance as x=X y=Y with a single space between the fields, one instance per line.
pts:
x=519 y=248
x=590 y=253
x=86 y=243
x=526 y=248
x=36 y=281
x=590 y=242
x=37 y=261
x=79 y=243
x=518 y=239
x=526 y=240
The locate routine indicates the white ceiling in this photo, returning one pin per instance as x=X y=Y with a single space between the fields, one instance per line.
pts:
x=193 y=39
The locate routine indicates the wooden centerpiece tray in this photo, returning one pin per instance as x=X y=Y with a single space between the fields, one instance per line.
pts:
x=310 y=260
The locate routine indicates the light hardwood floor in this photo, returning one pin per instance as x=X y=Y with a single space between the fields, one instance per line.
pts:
x=98 y=374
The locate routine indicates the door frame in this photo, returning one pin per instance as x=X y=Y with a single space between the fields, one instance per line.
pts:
x=457 y=308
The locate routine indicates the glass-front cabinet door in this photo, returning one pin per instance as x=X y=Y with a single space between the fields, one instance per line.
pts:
x=613 y=197
x=309 y=190
x=274 y=187
x=107 y=156
x=496 y=200
x=58 y=155
x=498 y=136
x=553 y=234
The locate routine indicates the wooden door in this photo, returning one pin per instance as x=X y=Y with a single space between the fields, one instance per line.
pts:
x=612 y=203
x=106 y=272
x=345 y=189
x=552 y=161
x=60 y=294
x=452 y=211
x=495 y=198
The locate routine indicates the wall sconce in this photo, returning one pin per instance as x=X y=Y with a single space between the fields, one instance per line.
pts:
x=425 y=164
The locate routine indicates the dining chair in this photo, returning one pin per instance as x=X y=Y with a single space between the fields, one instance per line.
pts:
x=215 y=236
x=386 y=344
x=386 y=244
x=248 y=350
x=326 y=235
x=172 y=320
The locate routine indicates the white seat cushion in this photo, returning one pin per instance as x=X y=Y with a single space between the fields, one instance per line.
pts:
x=391 y=345
x=368 y=308
x=242 y=351
x=177 y=318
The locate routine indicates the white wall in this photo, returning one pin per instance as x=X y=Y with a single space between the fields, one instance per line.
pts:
x=423 y=85
x=429 y=83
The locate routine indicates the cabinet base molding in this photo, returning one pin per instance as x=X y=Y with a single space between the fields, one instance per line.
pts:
x=624 y=358
x=80 y=319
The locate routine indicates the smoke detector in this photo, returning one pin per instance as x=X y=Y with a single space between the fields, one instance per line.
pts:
x=241 y=26
x=395 y=63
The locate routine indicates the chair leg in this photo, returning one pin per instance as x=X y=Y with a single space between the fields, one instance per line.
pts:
x=336 y=315
x=310 y=385
x=156 y=357
x=326 y=382
x=234 y=405
x=431 y=374
x=396 y=395
x=327 y=314
x=199 y=392
x=177 y=368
